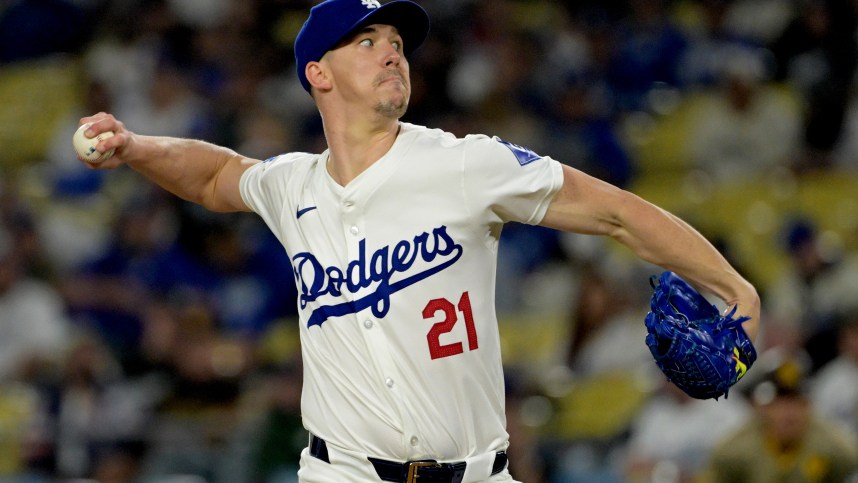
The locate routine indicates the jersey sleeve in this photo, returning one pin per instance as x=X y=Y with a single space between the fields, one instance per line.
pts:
x=264 y=187
x=511 y=181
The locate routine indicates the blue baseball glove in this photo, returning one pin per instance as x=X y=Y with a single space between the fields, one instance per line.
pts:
x=699 y=350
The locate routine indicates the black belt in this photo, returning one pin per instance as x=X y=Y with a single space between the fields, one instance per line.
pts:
x=428 y=471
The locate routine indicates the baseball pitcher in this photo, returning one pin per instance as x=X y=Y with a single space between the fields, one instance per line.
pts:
x=393 y=235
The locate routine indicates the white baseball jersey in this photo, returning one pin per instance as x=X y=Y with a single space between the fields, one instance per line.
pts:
x=396 y=282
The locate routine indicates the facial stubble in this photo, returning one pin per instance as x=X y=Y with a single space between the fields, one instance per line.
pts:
x=393 y=107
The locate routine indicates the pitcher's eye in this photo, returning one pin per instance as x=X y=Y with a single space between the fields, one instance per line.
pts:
x=366 y=42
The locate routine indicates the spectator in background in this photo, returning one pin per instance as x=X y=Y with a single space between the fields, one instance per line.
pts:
x=674 y=434
x=845 y=155
x=162 y=251
x=712 y=43
x=744 y=129
x=834 y=389
x=579 y=108
x=90 y=411
x=784 y=441
x=648 y=47
x=195 y=425
x=816 y=54
x=477 y=74
x=819 y=288
x=581 y=128
x=528 y=463
x=761 y=20
x=111 y=293
x=281 y=435
x=239 y=268
x=34 y=329
x=607 y=330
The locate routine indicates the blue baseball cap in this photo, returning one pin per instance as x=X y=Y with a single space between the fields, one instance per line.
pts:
x=333 y=20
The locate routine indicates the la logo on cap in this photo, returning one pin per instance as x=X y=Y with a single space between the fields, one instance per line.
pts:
x=371 y=3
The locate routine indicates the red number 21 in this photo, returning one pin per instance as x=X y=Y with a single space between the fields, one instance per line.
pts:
x=438 y=350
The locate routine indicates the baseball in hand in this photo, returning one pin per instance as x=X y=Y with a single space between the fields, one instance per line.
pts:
x=85 y=147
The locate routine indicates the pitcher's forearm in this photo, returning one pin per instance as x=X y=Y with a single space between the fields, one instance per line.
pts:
x=187 y=168
x=666 y=240
x=193 y=170
x=588 y=205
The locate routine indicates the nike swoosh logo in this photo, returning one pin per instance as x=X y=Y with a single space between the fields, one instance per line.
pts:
x=302 y=211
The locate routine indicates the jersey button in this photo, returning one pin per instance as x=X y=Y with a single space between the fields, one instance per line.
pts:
x=388 y=382
x=354 y=230
x=367 y=323
x=415 y=441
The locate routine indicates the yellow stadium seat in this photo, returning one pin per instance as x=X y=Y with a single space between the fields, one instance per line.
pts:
x=34 y=96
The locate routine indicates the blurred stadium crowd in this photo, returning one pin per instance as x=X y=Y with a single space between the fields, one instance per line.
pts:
x=143 y=339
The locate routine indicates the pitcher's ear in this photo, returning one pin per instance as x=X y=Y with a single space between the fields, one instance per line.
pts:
x=317 y=76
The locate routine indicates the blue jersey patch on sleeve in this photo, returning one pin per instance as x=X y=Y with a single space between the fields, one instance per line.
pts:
x=522 y=154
